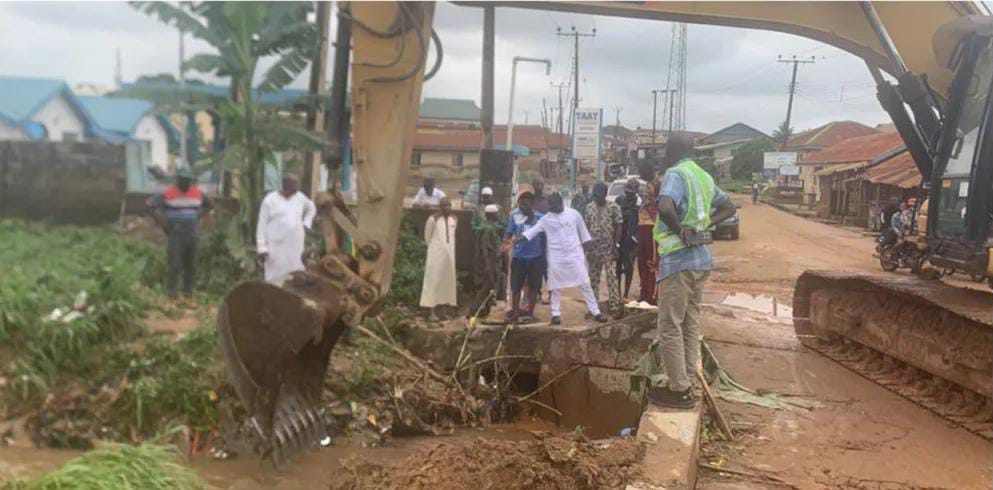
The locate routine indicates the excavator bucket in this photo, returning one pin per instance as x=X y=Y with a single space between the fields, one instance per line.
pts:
x=276 y=342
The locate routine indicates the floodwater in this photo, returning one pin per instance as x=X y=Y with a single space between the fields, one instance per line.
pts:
x=759 y=303
x=313 y=470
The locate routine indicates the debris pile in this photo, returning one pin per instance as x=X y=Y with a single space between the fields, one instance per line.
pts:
x=547 y=462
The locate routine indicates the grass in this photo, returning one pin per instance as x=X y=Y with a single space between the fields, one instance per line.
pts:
x=87 y=271
x=163 y=380
x=121 y=467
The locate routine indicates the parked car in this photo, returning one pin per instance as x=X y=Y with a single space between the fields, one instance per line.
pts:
x=616 y=188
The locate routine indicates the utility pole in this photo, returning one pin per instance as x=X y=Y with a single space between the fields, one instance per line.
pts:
x=118 y=77
x=789 y=106
x=315 y=115
x=525 y=118
x=182 y=90
x=560 y=86
x=489 y=42
x=575 y=59
x=655 y=105
x=617 y=120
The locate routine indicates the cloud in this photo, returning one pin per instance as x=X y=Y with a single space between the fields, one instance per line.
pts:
x=732 y=74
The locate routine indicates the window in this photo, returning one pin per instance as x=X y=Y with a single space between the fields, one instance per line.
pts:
x=457 y=160
x=415 y=160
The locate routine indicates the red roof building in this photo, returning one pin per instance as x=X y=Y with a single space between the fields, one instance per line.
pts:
x=827 y=135
x=866 y=148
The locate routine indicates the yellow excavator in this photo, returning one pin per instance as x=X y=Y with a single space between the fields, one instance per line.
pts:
x=929 y=342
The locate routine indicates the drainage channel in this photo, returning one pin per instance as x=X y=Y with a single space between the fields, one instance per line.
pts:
x=582 y=378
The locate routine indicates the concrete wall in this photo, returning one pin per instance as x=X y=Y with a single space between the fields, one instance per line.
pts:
x=80 y=183
x=59 y=118
x=150 y=129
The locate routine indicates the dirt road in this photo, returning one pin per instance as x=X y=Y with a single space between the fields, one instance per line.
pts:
x=862 y=436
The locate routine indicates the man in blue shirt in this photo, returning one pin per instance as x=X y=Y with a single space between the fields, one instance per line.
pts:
x=528 y=263
x=687 y=195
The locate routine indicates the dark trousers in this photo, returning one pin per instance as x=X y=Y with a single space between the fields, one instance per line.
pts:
x=648 y=260
x=181 y=251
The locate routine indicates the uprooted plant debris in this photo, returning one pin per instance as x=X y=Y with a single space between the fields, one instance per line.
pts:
x=378 y=390
x=547 y=462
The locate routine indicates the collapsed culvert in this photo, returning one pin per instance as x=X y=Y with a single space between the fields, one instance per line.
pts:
x=574 y=377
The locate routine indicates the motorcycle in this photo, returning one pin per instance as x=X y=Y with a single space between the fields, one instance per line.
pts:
x=903 y=254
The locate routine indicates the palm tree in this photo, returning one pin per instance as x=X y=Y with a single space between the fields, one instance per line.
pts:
x=782 y=133
x=242 y=33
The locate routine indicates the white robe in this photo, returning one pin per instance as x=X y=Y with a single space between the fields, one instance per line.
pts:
x=439 y=269
x=280 y=233
x=565 y=234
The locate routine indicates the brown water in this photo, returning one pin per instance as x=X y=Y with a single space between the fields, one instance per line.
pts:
x=310 y=471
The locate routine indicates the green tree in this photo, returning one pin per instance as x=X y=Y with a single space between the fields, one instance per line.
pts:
x=782 y=133
x=747 y=158
x=243 y=33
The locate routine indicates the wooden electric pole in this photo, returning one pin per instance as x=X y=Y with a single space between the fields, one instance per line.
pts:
x=315 y=115
x=789 y=106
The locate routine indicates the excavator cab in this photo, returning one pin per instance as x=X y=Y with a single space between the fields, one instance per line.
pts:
x=961 y=184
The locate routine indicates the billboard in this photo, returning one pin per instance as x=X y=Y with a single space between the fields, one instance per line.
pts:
x=791 y=170
x=772 y=160
x=586 y=138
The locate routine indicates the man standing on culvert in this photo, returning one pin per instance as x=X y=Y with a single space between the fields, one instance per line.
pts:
x=178 y=210
x=603 y=219
x=686 y=196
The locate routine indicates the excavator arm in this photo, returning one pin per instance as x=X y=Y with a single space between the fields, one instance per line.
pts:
x=277 y=339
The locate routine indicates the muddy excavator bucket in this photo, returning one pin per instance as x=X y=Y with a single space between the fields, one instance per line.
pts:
x=276 y=342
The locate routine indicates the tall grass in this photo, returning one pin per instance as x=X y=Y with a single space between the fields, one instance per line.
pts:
x=47 y=268
x=144 y=467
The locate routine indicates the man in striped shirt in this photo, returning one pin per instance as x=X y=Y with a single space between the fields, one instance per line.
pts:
x=177 y=210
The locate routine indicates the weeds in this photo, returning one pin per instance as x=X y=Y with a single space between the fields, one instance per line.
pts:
x=408 y=266
x=144 y=467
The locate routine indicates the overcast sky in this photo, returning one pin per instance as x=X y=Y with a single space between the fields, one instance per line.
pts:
x=732 y=73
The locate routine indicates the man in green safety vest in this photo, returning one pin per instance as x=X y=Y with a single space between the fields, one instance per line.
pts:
x=687 y=194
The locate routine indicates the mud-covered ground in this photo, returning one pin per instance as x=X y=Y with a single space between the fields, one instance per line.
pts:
x=863 y=436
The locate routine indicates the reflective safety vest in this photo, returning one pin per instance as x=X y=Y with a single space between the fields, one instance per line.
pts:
x=699 y=194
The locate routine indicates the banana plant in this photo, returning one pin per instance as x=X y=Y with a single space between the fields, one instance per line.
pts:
x=242 y=34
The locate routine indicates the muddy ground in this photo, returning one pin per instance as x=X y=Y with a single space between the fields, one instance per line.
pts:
x=863 y=436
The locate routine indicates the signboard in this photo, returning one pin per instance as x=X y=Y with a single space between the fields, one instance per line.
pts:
x=586 y=138
x=772 y=160
x=791 y=170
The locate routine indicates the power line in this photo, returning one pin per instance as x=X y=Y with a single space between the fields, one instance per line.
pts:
x=575 y=57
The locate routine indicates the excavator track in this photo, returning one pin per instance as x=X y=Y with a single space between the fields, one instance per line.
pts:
x=923 y=340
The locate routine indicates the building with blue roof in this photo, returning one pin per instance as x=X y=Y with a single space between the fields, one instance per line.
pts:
x=42 y=109
x=133 y=120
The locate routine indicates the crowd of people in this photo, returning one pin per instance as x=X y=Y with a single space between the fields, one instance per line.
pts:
x=660 y=223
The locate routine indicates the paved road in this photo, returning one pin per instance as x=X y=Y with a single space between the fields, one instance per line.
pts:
x=862 y=436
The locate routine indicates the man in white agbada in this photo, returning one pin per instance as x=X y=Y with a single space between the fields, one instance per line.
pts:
x=438 y=288
x=280 y=232
x=565 y=234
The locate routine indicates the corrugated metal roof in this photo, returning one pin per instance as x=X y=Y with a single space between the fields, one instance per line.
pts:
x=829 y=134
x=860 y=149
x=120 y=115
x=899 y=171
x=833 y=169
x=451 y=109
x=20 y=97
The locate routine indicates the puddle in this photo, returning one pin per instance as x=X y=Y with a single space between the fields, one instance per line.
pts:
x=760 y=303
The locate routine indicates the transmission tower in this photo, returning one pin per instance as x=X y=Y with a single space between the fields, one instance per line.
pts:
x=676 y=81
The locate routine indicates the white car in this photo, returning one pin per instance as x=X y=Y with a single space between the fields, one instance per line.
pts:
x=616 y=188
